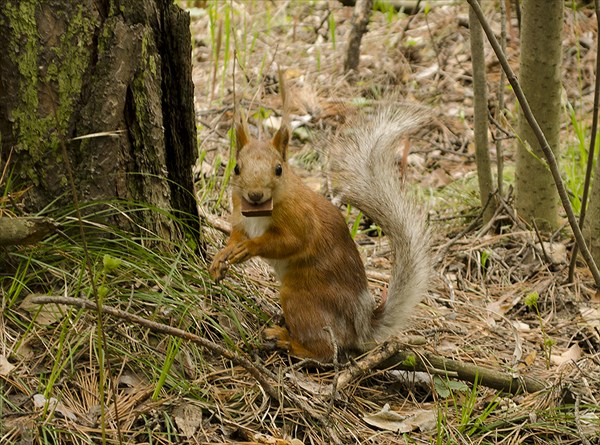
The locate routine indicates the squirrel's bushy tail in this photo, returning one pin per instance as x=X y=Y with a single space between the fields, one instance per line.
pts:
x=366 y=174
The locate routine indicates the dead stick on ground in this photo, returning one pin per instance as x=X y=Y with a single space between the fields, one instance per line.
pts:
x=260 y=373
x=390 y=356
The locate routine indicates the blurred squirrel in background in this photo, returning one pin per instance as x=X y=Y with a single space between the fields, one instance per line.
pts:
x=324 y=293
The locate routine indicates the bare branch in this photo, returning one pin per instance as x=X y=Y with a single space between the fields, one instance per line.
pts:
x=261 y=374
x=552 y=164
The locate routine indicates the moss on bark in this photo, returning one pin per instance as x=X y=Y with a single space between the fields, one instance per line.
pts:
x=72 y=69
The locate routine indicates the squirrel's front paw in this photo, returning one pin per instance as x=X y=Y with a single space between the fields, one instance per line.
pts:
x=240 y=252
x=217 y=270
x=219 y=265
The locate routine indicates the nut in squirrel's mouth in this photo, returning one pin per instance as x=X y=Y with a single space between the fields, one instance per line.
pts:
x=262 y=209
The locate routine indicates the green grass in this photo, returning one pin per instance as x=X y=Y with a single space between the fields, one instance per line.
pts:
x=575 y=157
x=61 y=354
x=167 y=284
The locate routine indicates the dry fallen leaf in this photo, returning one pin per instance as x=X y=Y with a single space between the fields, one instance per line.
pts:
x=591 y=316
x=422 y=420
x=518 y=351
x=129 y=379
x=5 y=365
x=421 y=379
x=188 y=418
x=437 y=178
x=572 y=354
x=556 y=252
x=448 y=346
x=520 y=326
x=308 y=385
x=39 y=401
x=131 y=382
x=48 y=313
x=530 y=358
x=495 y=312
x=25 y=352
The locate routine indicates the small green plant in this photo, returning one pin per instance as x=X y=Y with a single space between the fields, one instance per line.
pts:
x=485 y=255
x=531 y=301
x=575 y=157
x=262 y=114
x=331 y=23
x=445 y=387
x=442 y=422
x=355 y=224
x=109 y=264
x=411 y=361
x=479 y=421
x=226 y=47
x=467 y=409
x=386 y=8
x=170 y=355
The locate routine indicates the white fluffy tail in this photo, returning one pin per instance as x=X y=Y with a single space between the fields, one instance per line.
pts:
x=366 y=174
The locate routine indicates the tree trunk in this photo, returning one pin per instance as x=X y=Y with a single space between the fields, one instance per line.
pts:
x=360 y=21
x=591 y=227
x=591 y=223
x=540 y=75
x=121 y=69
x=480 y=119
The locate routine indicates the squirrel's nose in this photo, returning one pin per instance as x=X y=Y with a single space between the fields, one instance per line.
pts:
x=255 y=197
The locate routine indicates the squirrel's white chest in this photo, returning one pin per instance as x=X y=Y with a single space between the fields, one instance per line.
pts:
x=257 y=226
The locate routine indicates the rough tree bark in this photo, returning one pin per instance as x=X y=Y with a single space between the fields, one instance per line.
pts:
x=591 y=223
x=480 y=119
x=360 y=21
x=591 y=228
x=536 y=196
x=70 y=69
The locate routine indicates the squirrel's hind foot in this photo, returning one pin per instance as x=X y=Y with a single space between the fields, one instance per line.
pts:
x=283 y=340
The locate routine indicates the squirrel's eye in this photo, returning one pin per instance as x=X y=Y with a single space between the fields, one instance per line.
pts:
x=278 y=170
x=236 y=169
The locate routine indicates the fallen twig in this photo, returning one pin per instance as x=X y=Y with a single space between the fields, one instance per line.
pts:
x=261 y=374
x=220 y=224
x=391 y=356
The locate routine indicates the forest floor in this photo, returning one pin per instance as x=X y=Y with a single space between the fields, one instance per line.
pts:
x=499 y=298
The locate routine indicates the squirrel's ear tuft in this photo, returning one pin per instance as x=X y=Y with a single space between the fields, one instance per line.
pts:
x=281 y=139
x=242 y=136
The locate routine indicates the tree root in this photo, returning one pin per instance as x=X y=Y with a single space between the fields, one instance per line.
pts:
x=25 y=230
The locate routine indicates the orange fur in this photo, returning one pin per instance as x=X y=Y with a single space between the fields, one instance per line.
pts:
x=306 y=240
x=322 y=272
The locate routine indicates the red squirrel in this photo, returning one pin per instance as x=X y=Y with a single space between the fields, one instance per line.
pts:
x=307 y=242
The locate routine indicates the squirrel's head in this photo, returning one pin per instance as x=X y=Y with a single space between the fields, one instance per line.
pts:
x=260 y=165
